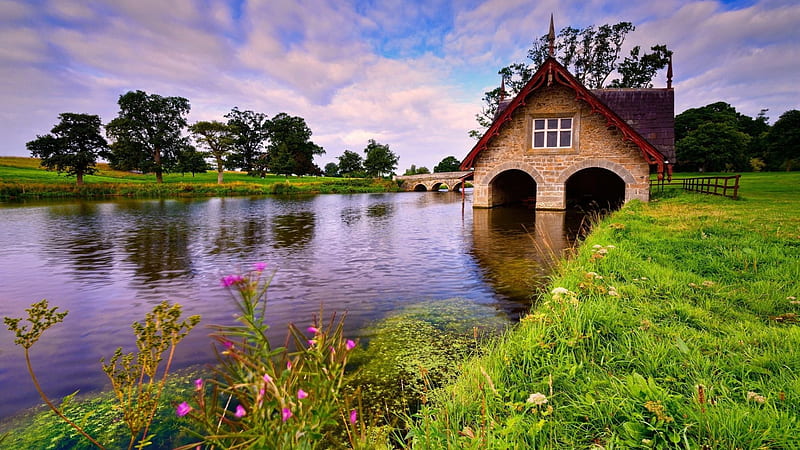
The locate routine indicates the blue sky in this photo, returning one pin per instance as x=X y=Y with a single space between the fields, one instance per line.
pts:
x=410 y=74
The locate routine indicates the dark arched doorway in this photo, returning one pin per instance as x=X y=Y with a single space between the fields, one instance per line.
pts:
x=595 y=188
x=513 y=187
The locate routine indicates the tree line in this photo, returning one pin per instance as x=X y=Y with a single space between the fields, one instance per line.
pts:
x=717 y=138
x=151 y=135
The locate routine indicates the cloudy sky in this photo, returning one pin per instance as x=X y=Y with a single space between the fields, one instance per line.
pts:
x=408 y=73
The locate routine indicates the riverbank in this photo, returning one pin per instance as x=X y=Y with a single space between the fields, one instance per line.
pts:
x=676 y=325
x=22 y=178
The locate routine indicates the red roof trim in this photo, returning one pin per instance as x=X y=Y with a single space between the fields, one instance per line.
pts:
x=551 y=71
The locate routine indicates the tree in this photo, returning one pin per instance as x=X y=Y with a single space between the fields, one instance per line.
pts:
x=331 y=169
x=73 y=147
x=713 y=147
x=379 y=159
x=148 y=133
x=722 y=113
x=783 y=141
x=590 y=54
x=449 y=164
x=251 y=131
x=414 y=170
x=351 y=164
x=282 y=161
x=218 y=138
x=294 y=134
x=192 y=161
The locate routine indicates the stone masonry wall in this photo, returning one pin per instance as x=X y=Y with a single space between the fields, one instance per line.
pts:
x=593 y=145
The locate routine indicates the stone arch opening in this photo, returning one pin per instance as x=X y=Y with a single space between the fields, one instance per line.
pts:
x=595 y=188
x=420 y=188
x=513 y=187
x=438 y=186
x=458 y=186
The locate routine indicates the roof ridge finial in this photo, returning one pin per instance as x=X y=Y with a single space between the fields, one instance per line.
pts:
x=551 y=37
x=502 y=87
x=669 y=73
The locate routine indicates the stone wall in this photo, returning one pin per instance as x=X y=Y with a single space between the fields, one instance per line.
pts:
x=593 y=145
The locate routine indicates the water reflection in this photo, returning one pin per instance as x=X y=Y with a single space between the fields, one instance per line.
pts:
x=366 y=254
x=517 y=248
x=293 y=230
x=76 y=234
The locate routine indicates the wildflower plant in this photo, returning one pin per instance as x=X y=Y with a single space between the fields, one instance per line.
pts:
x=135 y=378
x=265 y=397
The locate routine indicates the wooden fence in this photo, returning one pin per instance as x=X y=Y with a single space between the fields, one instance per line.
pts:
x=724 y=186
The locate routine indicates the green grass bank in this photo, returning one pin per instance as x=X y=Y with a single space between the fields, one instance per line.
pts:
x=22 y=178
x=674 y=326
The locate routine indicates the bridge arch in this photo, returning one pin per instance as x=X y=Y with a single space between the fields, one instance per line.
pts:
x=420 y=188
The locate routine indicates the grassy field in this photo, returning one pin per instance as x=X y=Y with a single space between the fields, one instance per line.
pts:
x=675 y=326
x=23 y=178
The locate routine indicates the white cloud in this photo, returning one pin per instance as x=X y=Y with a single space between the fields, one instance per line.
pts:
x=408 y=74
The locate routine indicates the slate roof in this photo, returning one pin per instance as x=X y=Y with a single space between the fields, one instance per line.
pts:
x=651 y=112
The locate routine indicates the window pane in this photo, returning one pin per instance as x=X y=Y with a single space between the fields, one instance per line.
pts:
x=566 y=137
x=566 y=123
x=552 y=139
x=538 y=124
x=538 y=139
x=552 y=124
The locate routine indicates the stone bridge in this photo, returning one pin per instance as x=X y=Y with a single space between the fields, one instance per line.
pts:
x=433 y=181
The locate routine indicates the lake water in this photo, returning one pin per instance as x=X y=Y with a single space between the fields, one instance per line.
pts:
x=109 y=262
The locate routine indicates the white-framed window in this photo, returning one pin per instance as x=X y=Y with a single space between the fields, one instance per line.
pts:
x=553 y=132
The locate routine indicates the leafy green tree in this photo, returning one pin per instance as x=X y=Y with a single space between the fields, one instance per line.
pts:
x=331 y=169
x=218 y=138
x=722 y=113
x=590 y=54
x=351 y=164
x=448 y=164
x=148 y=133
x=714 y=147
x=411 y=170
x=73 y=147
x=295 y=135
x=192 y=161
x=282 y=161
x=783 y=141
x=251 y=131
x=379 y=159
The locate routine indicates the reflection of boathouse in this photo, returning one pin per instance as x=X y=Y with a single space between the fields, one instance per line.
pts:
x=558 y=143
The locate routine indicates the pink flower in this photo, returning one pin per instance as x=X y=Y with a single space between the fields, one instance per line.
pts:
x=267 y=378
x=183 y=409
x=227 y=344
x=288 y=365
x=301 y=394
x=240 y=411
x=259 y=266
x=285 y=414
x=313 y=330
x=350 y=344
x=230 y=280
x=311 y=342
x=353 y=416
x=260 y=397
x=198 y=384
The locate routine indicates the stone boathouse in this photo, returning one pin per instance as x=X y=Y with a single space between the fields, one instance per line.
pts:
x=557 y=144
